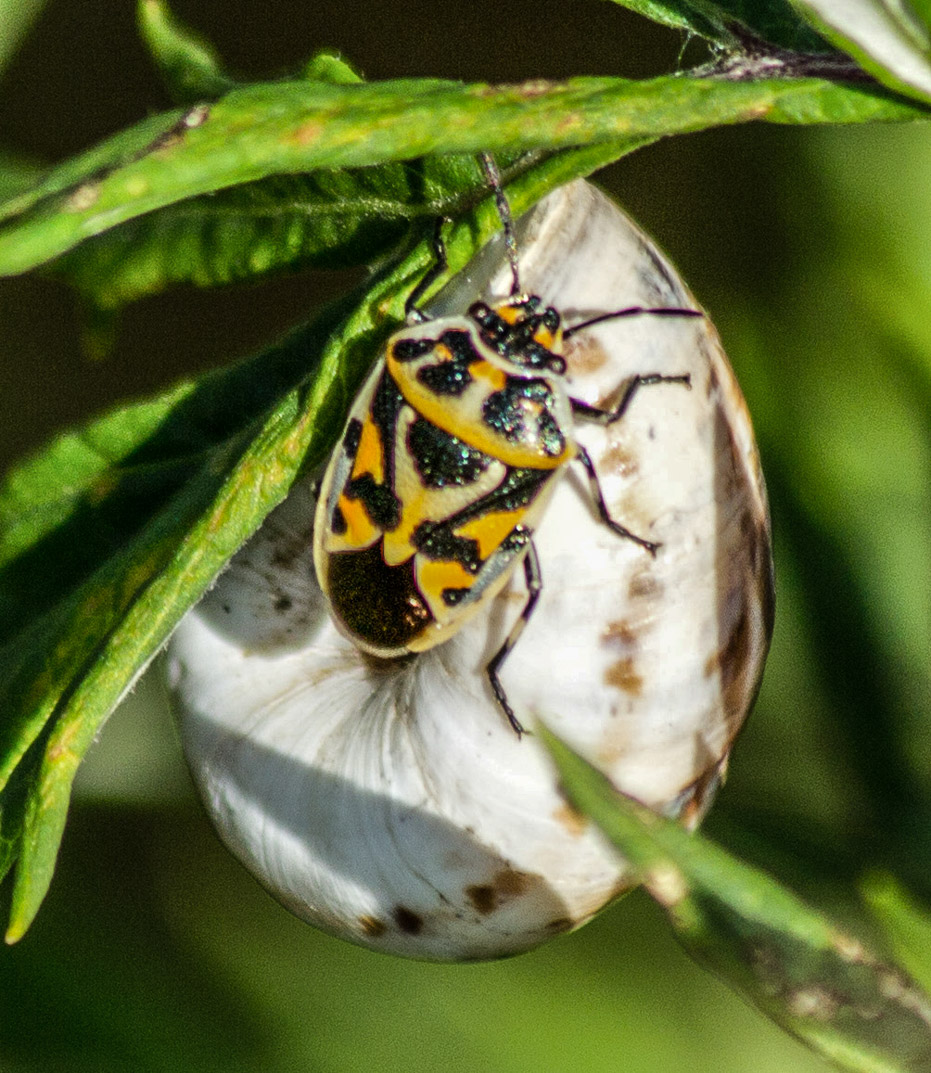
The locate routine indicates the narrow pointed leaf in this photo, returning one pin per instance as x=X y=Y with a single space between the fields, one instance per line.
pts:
x=784 y=957
x=290 y=127
x=724 y=22
x=188 y=64
x=905 y=920
x=888 y=38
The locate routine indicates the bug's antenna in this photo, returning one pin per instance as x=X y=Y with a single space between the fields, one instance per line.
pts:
x=504 y=211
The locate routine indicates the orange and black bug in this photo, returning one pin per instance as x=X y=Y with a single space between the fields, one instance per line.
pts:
x=446 y=465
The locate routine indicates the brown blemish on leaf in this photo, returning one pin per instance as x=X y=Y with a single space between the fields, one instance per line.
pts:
x=372 y=926
x=571 y=819
x=196 y=116
x=507 y=884
x=83 y=198
x=666 y=884
x=813 y=1003
x=622 y=674
x=535 y=87
x=850 y=949
x=407 y=920
x=306 y=133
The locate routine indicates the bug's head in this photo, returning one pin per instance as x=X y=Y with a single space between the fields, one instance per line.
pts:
x=524 y=331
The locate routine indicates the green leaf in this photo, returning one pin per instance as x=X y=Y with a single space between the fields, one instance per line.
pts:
x=787 y=959
x=291 y=127
x=719 y=21
x=703 y=19
x=112 y=534
x=888 y=38
x=16 y=17
x=775 y=21
x=191 y=68
x=17 y=174
x=188 y=64
x=905 y=920
x=327 y=66
x=328 y=219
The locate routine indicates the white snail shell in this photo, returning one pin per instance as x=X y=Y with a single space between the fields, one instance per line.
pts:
x=390 y=803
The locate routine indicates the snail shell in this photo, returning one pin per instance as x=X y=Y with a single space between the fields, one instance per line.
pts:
x=389 y=802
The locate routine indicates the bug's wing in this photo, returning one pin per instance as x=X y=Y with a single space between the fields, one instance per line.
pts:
x=469 y=557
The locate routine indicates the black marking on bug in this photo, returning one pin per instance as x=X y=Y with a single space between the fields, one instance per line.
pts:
x=410 y=349
x=518 y=489
x=338 y=521
x=507 y=411
x=380 y=501
x=353 y=436
x=442 y=459
x=451 y=376
x=517 y=341
x=438 y=541
x=379 y=603
x=381 y=504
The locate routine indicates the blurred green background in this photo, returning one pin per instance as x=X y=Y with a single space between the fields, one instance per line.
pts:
x=812 y=251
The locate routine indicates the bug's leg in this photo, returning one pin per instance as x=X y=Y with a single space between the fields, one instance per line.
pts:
x=608 y=417
x=585 y=458
x=633 y=311
x=504 y=212
x=534 y=587
x=439 y=266
x=587 y=412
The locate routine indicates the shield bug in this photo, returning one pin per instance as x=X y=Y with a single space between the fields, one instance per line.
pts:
x=447 y=462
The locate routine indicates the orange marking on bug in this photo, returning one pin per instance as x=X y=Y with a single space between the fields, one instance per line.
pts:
x=491 y=529
x=397 y=547
x=545 y=338
x=361 y=531
x=369 y=457
x=488 y=374
x=433 y=576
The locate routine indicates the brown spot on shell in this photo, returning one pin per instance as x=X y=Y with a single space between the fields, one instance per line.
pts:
x=407 y=920
x=585 y=355
x=732 y=658
x=622 y=674
x=730 y=661
x=507 y=884
x=571 y=819
x=372 y=926
x=700 y=793
x=621 y=632
x=560 y=924
x=618 y=459
x=482 y=897
x=643 y=585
